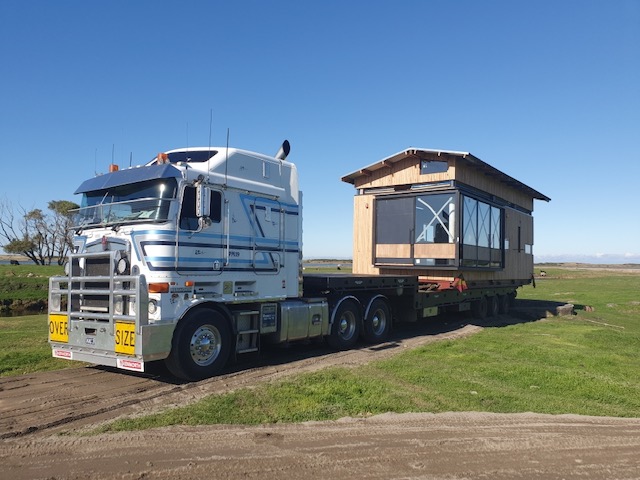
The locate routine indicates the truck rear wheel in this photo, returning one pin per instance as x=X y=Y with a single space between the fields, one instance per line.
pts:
x=479 y=308
x=201 y=346
x=504 y=303
x=377 y=323
x=493 y=306
x=346 y=325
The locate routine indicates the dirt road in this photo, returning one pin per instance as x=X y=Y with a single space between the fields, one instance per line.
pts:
x=42 y=415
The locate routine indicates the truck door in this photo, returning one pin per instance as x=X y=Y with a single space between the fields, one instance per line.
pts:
x=200 y=241
x=267 y=235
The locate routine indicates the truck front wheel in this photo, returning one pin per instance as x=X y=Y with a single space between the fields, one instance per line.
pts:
x=201 y=346
x=346 y=326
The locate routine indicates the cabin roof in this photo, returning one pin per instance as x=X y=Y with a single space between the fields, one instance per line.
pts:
x=472 y=160
x=127 y=176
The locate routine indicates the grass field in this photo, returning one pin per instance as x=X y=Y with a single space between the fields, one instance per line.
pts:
x=585 y=364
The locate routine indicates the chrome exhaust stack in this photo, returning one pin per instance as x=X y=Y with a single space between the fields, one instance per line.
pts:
x=284 y=150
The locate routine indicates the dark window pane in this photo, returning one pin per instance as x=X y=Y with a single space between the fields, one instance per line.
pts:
x=394 y=220
x=433 y=166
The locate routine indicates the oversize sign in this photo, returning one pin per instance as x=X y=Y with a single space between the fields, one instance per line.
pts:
x=125 y=338
x=58 y=328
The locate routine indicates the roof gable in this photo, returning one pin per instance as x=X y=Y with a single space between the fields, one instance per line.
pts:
x=464 y=158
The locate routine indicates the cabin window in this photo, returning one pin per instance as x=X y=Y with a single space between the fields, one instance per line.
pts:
x=481 y=234
x=140 y=202
x=433 y=166
x=194 y=156
x=188 y=217
x=434 y=218
x=394 y=220
x=417 y=230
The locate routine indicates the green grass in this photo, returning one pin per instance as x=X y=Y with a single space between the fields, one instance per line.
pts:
x=24 y=347
x=585 y=364
x=25 y=282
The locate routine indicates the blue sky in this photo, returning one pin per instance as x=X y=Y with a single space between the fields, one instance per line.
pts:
x=547 y=91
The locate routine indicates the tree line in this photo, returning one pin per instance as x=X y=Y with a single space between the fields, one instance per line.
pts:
x=41 y=236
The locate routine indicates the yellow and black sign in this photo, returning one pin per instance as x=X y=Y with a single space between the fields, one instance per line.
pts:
x=125 y=338
x=58 y=328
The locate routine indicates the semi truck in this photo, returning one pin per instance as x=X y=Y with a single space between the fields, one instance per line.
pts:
x=195 y=258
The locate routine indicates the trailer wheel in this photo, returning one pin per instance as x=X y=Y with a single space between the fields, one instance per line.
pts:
x=346 y=326
x=479 y=308
x=201 y=346
x=493 y=306
x=504 y=302
x=377 y=324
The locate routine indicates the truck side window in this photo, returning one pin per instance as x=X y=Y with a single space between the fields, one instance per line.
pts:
x=188 y=218
x=216 y=206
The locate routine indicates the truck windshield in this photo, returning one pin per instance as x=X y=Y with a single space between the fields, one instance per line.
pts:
x=147 y=201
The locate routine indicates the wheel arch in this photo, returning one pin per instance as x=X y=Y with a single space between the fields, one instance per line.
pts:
x=216 y=307
x=336 y=306
x=378 y=296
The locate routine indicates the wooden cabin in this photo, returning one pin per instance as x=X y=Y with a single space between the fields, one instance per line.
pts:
x=441 y=214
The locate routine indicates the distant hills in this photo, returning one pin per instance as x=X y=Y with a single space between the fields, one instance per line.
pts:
x=598 y=259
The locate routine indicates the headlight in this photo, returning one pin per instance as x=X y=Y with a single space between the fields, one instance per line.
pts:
x=55 y=303
x=153 y=307
x=122 y=265
x=118 y=305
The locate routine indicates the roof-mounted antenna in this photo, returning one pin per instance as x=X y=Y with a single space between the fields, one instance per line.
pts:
x=226 y=159
x=130 y=158
x=210 y=126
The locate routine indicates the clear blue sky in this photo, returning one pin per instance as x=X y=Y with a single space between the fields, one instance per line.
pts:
x=546 y=91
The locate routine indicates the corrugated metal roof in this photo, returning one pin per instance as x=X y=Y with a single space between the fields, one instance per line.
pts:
x=464 y=156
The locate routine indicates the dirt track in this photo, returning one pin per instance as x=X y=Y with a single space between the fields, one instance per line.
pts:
x=36 y=409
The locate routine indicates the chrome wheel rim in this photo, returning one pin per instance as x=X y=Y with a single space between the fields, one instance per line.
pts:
x=205 y=345
x=347 y=325
x=378 y=322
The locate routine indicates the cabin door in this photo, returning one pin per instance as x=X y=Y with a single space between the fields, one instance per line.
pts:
x=267 y=235
x=199 y=245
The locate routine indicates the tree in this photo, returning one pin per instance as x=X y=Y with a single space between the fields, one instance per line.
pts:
x=39 y=236
x=63 y=221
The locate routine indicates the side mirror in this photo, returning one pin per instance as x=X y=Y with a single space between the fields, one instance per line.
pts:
x=203 y=201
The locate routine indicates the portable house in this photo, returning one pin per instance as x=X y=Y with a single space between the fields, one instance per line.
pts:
x=440 y=215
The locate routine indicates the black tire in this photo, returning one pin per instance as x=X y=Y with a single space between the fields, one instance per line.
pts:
x=493 y=306
x=479 y=308
x=346 y=326
x=201 y=345
x=504 y=304
x=377 y=323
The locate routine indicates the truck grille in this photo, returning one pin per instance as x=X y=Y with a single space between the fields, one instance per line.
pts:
x=93 y=290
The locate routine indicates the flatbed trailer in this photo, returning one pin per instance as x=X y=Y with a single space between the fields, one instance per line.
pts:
x=412 y=299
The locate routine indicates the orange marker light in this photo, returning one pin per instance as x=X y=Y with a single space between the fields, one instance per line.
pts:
x=158 y=287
